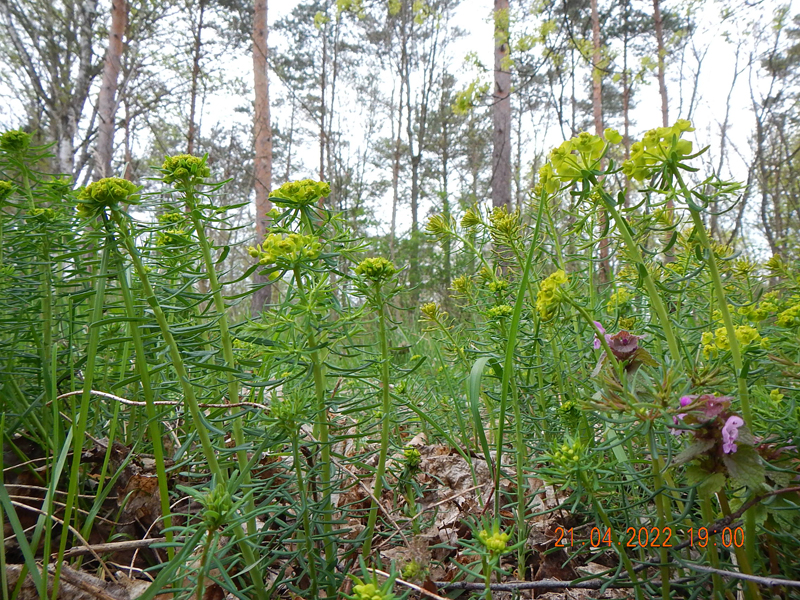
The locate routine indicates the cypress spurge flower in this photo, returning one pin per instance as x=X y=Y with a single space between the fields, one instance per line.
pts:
x=109 y=192
x=550 y=295
x=300 y=193
x=15 y=140
x=376 y=269
x=184 y=169
x=655 y=147
x=6 y=189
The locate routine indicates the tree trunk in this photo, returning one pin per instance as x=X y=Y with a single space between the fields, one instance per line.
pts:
x=198 y=46
x=107 y=101
x=501 y=109
x=397 y=141
x=262 y=132
x=597 y=112
x=662 y=86
x=322 y=115
x=444 y=112
x=626 y=95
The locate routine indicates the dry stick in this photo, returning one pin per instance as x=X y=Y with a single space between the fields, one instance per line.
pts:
x=117 y=546
x=82 y=581
x=163 y=402
x=72 y=529
x=724 y=522
x=55 y=503
x=766 y=581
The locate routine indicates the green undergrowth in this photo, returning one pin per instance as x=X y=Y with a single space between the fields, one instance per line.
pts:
x=598 y=341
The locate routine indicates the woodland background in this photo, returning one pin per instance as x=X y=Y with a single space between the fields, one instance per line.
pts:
x=379 y=99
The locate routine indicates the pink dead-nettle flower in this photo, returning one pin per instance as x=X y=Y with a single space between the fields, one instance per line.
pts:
x=623 y=344
x=730 y=432
x=597 y=342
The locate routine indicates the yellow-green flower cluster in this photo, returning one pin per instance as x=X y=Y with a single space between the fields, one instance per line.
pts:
x=568 y=456
x=503 y=311
x=108 y=192
x=15 y=140
x=412 y=458
x=412 y=570
x=758 y=313
x=619 y=299
x=504 y=226
x=547 y=181
x=171 y=237
x=184 y=168
x=575 y=155
x=498 y=286
x=655 y=147
x=789 y=317
x=43 y=215
x=6 y=188
x=495 y=542
x=304 y=192
x=569 y=413
x=367 y=591
x=470 y=219
x=461 y=285
x=714 y=342
x=550 y=294
x=171 y=218
x=776 y=396
x=627 y=323
x=290 y=248
x=430 y=311
x=376 y=269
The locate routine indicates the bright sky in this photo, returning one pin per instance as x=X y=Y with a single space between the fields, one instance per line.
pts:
x=714 y=84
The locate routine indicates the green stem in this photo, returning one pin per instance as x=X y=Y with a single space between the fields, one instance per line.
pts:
x=636 y=257
x=79 y=424
x=626 y=561
x=227 y=353
x=201 y=576
x=386 y=406
x=655 y=466
x=309 y=539
x=708 y=517
x=736 y=354
x=189 y=397
x=745 y=566
x=153 y=425
x=321 y=428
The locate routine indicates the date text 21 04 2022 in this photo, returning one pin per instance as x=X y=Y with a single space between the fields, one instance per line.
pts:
x=652 y=537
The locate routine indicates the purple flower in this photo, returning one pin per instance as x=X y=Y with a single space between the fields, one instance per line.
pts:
x=686 y=400
x=597 y=343
x=677 y=419
x=730 y=432
x=623 y=344
x=714 y=405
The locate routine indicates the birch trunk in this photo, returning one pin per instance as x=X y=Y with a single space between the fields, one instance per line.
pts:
x=198 y=46
x=501 y=109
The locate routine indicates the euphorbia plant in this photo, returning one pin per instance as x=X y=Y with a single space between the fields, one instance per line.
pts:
x=378 y=284
x=105 y=198
x=303 y=249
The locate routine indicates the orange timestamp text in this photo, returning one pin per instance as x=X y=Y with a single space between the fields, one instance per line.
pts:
x=652 y=537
